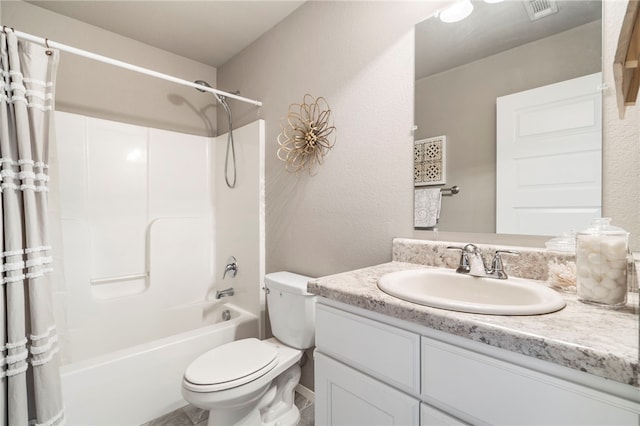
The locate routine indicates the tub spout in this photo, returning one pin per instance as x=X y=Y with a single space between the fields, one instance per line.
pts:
x=224 y=293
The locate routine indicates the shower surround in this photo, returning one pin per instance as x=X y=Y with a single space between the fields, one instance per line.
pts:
x=147 y=224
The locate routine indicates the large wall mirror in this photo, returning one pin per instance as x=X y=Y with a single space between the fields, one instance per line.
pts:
x=463 y=68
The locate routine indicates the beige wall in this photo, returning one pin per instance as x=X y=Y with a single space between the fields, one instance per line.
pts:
x=99 y=90
x=621 y=143
x=461 y=103
x=359 y=56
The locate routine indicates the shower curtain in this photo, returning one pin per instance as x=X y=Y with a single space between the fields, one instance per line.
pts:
x=30 y=390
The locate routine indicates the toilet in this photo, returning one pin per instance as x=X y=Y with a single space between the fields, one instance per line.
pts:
x=251 y=381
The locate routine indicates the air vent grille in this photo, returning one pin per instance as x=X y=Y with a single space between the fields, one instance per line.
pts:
x=540 y=8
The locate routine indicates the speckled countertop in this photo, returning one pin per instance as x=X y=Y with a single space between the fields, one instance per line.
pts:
x=588 y=338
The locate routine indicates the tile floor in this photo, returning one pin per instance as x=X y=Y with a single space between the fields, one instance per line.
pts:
x=192 y=416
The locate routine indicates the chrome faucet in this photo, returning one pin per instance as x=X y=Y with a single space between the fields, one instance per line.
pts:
x=224 y=293
x=472 y=263
x=231 y=268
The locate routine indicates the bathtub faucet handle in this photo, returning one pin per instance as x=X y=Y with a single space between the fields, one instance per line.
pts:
x=231 y=268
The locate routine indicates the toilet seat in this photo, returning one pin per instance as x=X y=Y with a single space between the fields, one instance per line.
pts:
x=230 y=365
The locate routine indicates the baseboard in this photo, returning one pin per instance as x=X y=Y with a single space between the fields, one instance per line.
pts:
x=306 y=392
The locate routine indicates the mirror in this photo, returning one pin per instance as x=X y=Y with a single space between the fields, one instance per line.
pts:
x=463 y=67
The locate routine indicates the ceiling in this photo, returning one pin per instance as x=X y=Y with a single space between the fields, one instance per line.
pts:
x=207 y=31
x=491 y=29
x=213 y=31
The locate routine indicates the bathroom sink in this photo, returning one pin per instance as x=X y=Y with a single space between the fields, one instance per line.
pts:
x=446 y=289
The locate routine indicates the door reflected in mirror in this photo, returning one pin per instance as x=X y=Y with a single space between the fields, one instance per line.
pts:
x=462 y=69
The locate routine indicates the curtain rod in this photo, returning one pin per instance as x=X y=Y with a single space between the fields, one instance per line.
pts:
x=125 y=65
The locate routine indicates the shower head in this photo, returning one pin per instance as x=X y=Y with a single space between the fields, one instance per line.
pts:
x=202 y=83
x=219 y=98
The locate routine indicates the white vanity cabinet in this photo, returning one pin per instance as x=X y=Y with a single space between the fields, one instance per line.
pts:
x=379 y=372
x=350 y=397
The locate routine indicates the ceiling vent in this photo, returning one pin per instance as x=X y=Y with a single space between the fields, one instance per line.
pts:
x=540 y=8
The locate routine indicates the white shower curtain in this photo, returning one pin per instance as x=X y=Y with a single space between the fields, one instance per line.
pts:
x=30 y=379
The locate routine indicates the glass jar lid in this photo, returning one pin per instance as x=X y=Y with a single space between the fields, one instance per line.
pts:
x=602 y=226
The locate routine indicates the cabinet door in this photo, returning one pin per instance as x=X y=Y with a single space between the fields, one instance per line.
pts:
x=429 y=416
x=484 y=390
x=347 y=397
x=387 y=353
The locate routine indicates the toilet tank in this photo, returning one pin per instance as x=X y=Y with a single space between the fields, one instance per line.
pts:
x=292 y=310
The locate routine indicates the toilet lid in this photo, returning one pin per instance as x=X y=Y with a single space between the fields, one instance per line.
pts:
x=232 y=364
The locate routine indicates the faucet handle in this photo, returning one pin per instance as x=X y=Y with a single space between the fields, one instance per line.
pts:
x=231 y=268
x=497 y=267
x=463 y=266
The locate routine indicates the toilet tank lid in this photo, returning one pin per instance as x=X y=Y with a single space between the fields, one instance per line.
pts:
x=287 y=281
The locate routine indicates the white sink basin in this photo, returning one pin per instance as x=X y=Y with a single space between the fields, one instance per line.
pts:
x=446 y=289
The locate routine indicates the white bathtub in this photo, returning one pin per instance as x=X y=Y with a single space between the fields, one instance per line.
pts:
x=134 y=385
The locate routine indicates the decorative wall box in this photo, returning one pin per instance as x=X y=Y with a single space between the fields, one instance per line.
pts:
x=429 y=161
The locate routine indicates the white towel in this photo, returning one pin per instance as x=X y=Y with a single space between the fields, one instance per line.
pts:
x=427 y=207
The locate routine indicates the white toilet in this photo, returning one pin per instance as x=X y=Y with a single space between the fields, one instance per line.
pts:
x=251 y=381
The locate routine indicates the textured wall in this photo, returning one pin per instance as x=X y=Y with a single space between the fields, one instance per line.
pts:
x=359 y=56
x=100 y=90
x=621 y=145
x=343 y=218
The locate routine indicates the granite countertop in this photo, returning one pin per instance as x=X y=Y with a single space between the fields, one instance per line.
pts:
x=588 y=338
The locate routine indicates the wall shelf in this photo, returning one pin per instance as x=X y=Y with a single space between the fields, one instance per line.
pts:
x=626 y=65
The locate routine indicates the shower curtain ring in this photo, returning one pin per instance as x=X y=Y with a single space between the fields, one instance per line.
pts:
x=48 y=52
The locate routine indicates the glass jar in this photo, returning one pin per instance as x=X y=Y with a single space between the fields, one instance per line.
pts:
x=601 y=264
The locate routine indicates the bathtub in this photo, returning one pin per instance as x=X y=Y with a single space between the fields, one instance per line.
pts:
x=134 y=385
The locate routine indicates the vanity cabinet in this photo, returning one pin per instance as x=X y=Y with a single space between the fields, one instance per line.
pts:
x=350 y=397
x=379 y=372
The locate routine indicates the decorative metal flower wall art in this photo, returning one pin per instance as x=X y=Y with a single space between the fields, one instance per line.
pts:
x=305 y=137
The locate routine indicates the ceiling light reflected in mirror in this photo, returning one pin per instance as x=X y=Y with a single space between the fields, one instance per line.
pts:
x=456 y=12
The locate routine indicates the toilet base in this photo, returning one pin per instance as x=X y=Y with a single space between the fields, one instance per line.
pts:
x=275 y=407
x=268 y=400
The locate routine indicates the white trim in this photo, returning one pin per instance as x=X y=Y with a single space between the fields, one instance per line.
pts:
x=26 y=175
x=307 y=393
x=46 y=334
x=39 y=362
x=24 y=187
x=29 y=250
x=12 y=253
x=14 y=279
x=17 y=344
x=39 y=94
x=44 y=348
x=15 y=371
x=16 y=358
x=58 y=419
x=38 y=274
x=9 y=186
x=12 y=266
x=15 y=99
x=39 y=261
x=38 y=82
